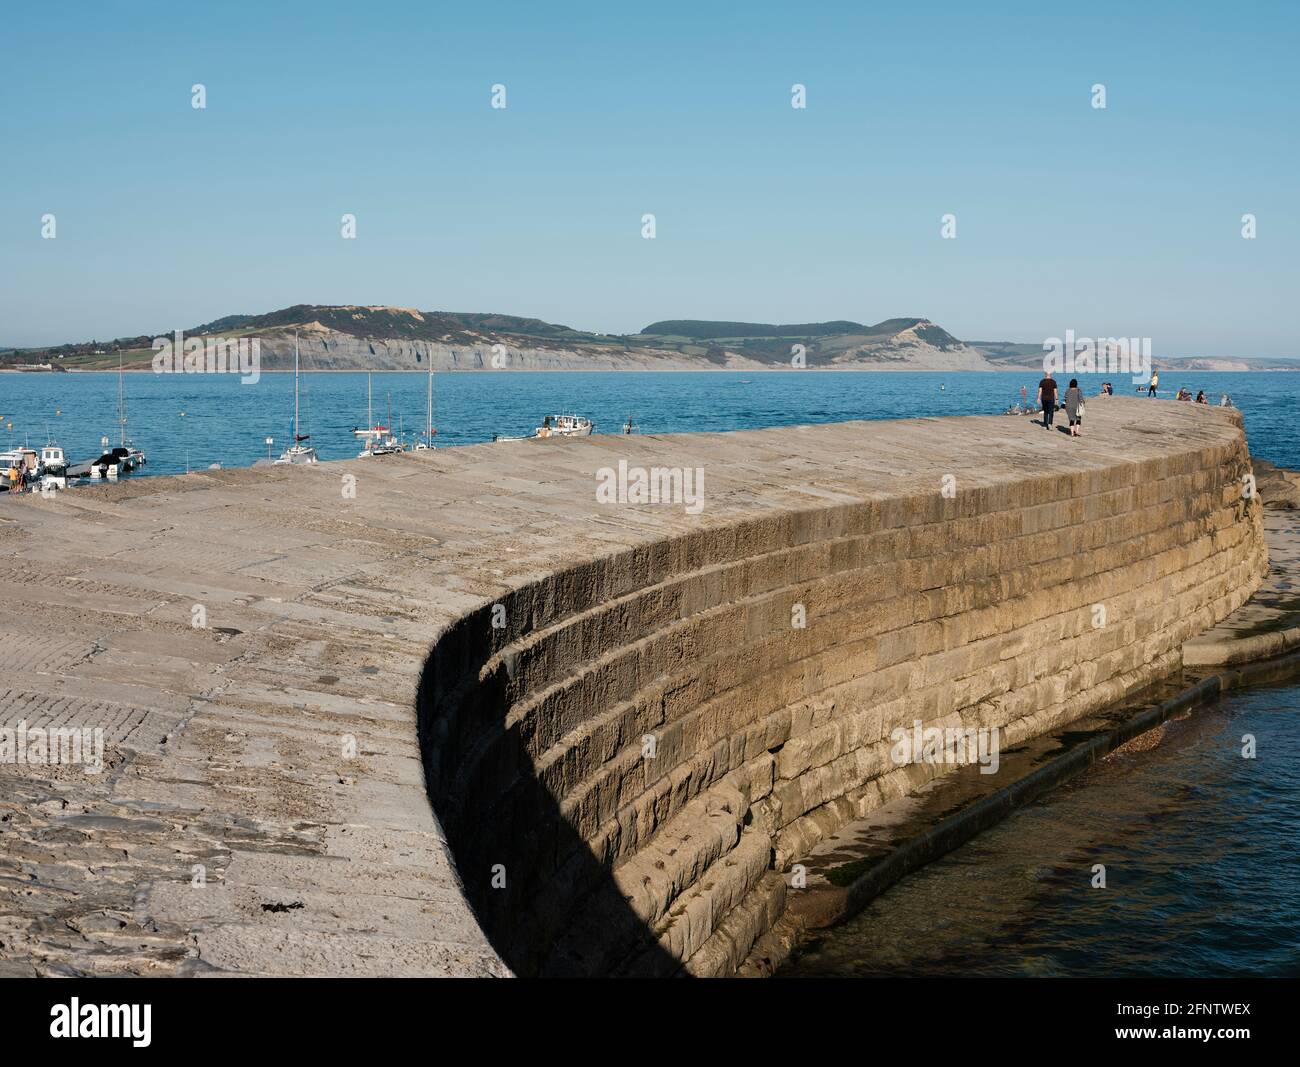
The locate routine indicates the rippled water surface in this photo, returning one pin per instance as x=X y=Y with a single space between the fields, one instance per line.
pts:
x=194 y=421
x=1202 y=855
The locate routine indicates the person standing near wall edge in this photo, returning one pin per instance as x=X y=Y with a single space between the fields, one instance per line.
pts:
x=1074 y=407
x=1047 y=399
x=1155 y=380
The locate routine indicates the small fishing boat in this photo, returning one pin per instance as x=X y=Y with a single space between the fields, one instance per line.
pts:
x=297 y=452
x=557 y=426
x=54 y=460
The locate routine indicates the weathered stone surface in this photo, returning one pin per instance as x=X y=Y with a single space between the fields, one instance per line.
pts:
x=1279 y=487
x=1269 y=625
x=626 y=733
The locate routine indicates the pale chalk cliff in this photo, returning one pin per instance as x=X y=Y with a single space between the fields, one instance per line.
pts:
x=380 y=338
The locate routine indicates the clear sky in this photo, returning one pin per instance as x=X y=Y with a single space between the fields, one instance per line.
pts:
x=1117 y=222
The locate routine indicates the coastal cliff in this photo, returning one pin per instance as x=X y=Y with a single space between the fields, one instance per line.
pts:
x=347 y=337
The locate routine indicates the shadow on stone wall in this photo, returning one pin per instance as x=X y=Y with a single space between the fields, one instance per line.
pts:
x=548 y=905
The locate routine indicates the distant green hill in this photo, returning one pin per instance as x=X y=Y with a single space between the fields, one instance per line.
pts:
x=359 y=331
x=394 y=322
x=708 y=329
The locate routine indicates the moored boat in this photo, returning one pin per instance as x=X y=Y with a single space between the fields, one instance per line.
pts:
x=54 y=460
x=426 y=438
x=129 y=457
x=557 y=426
x=377 y=439
x=297 y=452
x=24 y=463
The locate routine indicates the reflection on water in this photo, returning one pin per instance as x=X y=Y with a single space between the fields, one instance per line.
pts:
x=1202 y=866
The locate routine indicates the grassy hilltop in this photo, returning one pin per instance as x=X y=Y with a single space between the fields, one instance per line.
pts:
x=351 y=333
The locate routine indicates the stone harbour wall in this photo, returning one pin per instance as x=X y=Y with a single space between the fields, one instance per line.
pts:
x=458 y=713
x=646 y=742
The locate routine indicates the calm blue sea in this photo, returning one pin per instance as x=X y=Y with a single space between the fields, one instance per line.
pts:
x=196 y=420
x=1202 y=866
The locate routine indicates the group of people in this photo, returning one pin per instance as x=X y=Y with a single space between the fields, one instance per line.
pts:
x=16 y=477
x=1183 y=393
x=1072 y=402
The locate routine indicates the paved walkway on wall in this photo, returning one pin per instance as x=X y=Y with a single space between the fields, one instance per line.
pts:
x=250 y=642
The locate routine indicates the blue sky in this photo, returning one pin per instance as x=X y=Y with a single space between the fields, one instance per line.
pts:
x=1115 y=222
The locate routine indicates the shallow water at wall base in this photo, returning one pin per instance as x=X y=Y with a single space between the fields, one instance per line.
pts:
x=1201 y=850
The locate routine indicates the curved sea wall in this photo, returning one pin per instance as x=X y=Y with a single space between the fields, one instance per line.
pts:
x=477 y=711
x=628 y=754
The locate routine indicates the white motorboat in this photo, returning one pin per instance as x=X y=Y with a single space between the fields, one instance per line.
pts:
x=565 y=426
x=113 y=462
x=297 y=452
x=54 y=460
x=557 y=426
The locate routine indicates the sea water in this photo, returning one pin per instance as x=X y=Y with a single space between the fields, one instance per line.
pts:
x=193 y=421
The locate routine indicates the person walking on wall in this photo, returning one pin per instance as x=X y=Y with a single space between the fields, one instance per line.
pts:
x=1074 y=407
x=1047 y=399
x=1155 y=380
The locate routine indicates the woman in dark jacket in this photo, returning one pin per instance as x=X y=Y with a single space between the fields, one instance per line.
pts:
x=1074 y=407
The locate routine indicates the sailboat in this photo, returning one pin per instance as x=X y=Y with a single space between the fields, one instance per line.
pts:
x=132 y=456
x=379 y=440
x=297 y=452
x=426 y=442
x=125 y=457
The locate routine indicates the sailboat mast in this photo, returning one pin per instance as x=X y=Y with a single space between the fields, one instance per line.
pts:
x=121 y=402
x=428 y=425
x=297 y=426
